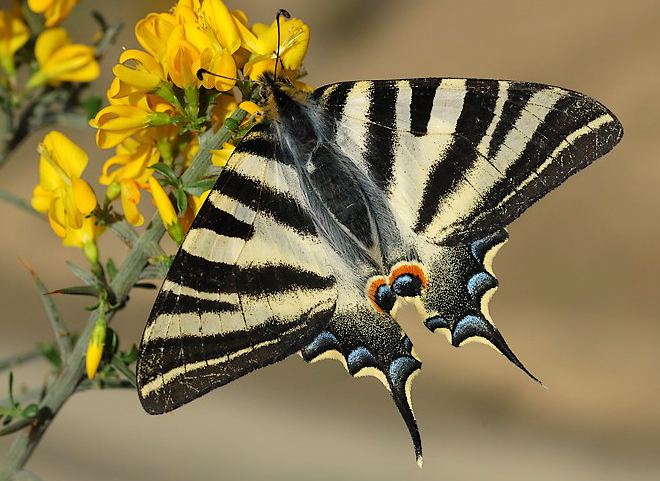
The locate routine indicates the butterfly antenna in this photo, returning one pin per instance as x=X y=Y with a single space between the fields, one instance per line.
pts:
x=202 y=71
x=280 y=13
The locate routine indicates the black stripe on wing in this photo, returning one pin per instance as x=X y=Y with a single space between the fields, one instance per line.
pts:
x=185 y=368
x=380 y=140
x=476 y=115
x=223 y=223
x=563 y=144
x=421 y=105
x=208 y=276
x=517 y=98
x=279 y=206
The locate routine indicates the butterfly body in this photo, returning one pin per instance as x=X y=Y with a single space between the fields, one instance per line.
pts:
x=345 y=204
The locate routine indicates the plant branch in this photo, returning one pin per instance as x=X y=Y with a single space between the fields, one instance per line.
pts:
x=72 y=370
x=61 y=332
x=18 y=359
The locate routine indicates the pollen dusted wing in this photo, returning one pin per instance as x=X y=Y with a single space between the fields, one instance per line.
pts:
x=462 y=158
x=238 y=296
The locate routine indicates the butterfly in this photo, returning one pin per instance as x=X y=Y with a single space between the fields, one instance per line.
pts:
x=344 y=207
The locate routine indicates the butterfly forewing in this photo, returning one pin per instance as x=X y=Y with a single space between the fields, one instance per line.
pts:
x=461 y=158
x=238 y=295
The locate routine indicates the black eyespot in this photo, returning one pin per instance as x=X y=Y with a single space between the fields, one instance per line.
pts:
x=407 y=285
x=385 y=298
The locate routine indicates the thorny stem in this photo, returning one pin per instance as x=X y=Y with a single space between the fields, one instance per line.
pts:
x=72 y=370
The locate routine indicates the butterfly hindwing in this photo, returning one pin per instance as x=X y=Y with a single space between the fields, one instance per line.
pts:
x=371 y=343
x=238 y=296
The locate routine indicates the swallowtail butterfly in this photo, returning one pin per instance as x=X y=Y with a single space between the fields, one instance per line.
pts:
x=344 y=205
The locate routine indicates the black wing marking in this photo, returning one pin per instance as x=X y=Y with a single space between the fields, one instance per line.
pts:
x=461 y=158
x=239 y=295
x=371 y=343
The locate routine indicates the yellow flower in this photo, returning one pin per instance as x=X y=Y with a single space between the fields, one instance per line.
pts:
x=184 y=59
x=138 y=72
x=262 y=42
x=95 y=348
x=166 y=211
x=67 y=198
x=54 y=10
x=194 y=204
x=61 y=192
x=62 y=61
x=220 y=26
x=220 y=157
x=13 y=35
x=153 y=32
x=116 y=123
x=130 y=173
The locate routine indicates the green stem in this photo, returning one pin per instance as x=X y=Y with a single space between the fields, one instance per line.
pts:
x=72 y=370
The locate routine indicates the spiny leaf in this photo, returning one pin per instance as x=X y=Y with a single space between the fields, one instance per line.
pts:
x=77 y=291
x=85 y=276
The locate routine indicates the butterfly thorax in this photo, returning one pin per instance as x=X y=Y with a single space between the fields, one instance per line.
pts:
x=350 y=212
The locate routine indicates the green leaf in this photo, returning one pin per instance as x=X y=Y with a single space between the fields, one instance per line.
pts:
x=199 y=187
x=111 y=268
x=11 y=388
x=30 y=411
x=129 y=357
x=181 y=200
x=91 y=105
x=77 y=291
x=111 y=343
x=168 y=172
x=125 y=232
x=50 y=352
x=85 y=276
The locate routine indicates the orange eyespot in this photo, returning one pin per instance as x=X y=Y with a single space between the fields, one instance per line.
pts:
x=412 y=268
x=379 y=294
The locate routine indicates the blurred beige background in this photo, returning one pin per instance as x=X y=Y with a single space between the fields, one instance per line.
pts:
x=578 y=300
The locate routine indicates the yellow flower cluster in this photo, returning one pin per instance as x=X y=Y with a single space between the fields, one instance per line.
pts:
x=58 y=58
x=159 y=105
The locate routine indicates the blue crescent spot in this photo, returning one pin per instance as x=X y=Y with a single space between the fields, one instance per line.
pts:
x=480 y=283
x=479 y=247
x=401 y=368
x=470 y=326
x=360 y=358
x=436 y=322
x=322 y=343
